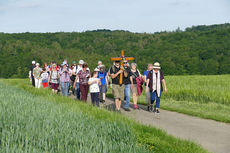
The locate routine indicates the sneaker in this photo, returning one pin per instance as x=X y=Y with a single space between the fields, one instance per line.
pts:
x=154 y=111
x=135 y=106
x=126 y=109
x=151 y=108
x=148 y=108
x=157 y=111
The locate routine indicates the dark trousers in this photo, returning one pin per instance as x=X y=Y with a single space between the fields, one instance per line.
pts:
x=84 y=91
x=95 y=98
x=77 y=88
x=33 y=81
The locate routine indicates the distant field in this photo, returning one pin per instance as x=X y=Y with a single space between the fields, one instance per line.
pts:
x=198 y=95
x=35 y=120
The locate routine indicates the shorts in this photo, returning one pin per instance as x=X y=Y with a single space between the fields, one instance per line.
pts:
x=103 y=88
x=134 y=89
x=118 y=91
x=45 y=84
x=54 y=86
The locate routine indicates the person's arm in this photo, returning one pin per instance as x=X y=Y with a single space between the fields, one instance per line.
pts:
x=49 y=77
x=131 y=80
x=107 y=81
x=147 y=86
x=69 y=72
x=139 y=73
x=164 y=83
x=74 y=84
x=115 y=75
x=99 y=82
x=92 y=82
x=126 y=74
x=61 y=72
x=145 y=78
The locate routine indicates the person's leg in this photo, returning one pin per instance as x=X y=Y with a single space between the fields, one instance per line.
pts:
x=121 y=95
x=63 y=88
x=158 y=101
x=36 y=82
x=82 y=91
x=127 y=95
x=40 y=83
x=44 y=85
x=97 y=99
x=86 y=91
x=78 y=91
x=101 y=94
x=117 y=103
x=66 y=88
x=73 y=89
x=33 y=80
x=134 y=98
x=92 y=98
x=153 y=98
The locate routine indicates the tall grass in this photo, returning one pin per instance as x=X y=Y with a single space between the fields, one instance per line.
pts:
x=35 y=120
x=33 y=124
x=202 y=96
x=200 y=89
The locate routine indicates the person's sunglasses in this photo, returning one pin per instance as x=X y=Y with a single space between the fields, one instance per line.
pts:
x=125 y=62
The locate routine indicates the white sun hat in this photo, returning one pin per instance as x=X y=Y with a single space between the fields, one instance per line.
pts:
x=33 y=62
x=156 y=65
x=81 y=62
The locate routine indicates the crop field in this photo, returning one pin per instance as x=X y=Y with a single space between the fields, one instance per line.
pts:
x=202 y=96
x=33 y=120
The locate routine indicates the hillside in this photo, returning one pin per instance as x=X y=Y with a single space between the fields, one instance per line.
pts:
x=197 y=50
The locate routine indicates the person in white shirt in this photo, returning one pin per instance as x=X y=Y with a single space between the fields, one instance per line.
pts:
x=45 y=78
x=94 y=83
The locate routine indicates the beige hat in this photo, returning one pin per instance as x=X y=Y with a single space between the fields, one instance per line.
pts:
x=156 y=65
x=37 y=64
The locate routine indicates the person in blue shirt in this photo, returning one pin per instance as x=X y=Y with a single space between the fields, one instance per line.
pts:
x=102 y=75
x=147 y=94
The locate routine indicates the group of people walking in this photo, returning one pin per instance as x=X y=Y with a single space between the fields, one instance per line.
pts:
x=80 y=80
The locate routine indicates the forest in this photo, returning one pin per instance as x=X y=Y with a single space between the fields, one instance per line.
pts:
x=196 y=50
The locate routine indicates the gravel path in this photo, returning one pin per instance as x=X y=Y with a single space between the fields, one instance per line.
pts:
x=212 y=135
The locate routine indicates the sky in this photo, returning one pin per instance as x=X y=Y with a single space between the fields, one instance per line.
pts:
x=148 y=16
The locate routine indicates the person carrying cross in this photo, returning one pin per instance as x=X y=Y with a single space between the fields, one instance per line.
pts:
x=118 y=89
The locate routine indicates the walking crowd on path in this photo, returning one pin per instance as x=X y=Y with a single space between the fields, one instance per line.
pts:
x=123 y=80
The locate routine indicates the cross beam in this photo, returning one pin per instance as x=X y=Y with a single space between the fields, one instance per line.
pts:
x=121 y=59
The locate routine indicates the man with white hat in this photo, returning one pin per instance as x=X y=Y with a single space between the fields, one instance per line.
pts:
x=31 y=73
x=154 y=82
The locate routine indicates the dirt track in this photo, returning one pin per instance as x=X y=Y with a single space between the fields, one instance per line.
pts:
x=212 y=135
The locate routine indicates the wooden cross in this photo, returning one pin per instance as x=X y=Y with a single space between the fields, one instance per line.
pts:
x=121 y=59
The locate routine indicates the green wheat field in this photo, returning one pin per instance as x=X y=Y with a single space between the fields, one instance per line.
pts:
x=35 y=120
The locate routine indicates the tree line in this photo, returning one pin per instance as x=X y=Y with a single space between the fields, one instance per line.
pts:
x=196 y=50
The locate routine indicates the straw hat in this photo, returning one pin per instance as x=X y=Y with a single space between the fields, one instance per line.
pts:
x=156 y=65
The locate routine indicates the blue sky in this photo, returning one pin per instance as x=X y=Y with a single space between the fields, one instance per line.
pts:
x=133 y=15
